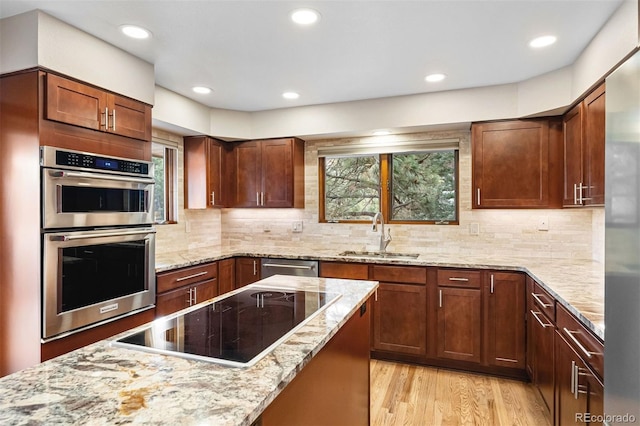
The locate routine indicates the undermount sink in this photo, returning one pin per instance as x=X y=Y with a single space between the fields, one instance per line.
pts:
x=377 y=254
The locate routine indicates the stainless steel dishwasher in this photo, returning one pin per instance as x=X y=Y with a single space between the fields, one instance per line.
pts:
x=299 y=268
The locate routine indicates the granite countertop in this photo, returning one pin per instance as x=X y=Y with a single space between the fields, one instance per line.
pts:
x=577 y=284
x=104 y=385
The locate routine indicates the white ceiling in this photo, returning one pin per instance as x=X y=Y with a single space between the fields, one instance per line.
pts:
x=249 y=52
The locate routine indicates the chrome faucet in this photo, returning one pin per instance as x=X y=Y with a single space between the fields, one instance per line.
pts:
x=384 y=239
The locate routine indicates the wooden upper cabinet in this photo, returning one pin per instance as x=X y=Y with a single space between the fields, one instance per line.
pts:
x=584 y=136
x=71 y=102
x=129 y=118
x=270 y=173
x=515 y=164
x=593 y=153
x=207 y=173
x=248 y=166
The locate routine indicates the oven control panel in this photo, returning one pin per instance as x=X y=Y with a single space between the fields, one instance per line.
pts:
x=95 y=162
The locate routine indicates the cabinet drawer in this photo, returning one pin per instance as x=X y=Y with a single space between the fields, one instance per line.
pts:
x=459 y=278
x=543 y=302
x=581 y=340
x=346 y=270
x=169 y=280
x=399 y=274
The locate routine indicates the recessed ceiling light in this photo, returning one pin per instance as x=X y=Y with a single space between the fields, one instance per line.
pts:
x=290 y=95
x=542 y=41
x=433 y=78
x=305 y=16
x=134 y=31
x=201 y=90
x=382 y=132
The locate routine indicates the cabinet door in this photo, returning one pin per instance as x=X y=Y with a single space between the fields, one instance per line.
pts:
x=195 y=173
x=226 y=275
x=183 y=297
x=505 y=319
x=570 y=403
x=205 y=173
x=400 y=319
x=173 y=301
x=542 y=354
x=75 y=103
x=593 y=152
x=218 y=188
x=511 y=164
x=529 y=300
x=204 y=291
x=248 y=168
x=277 y=173
x=573 y=133
x=129 y=118
x=459 y=324
x=247 y=271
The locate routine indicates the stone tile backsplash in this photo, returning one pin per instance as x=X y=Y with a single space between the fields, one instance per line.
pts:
x=573 y=233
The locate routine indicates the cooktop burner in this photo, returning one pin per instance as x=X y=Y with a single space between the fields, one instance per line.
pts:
x=237 y=330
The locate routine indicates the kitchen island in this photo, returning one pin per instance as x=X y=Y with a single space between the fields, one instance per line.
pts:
x=105 y=384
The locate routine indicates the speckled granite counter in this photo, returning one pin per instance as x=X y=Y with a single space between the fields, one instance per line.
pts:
x=105 y=385
x=577 y=284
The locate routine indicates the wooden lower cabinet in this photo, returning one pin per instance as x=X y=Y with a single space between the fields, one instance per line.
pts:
x=505 y=329
x=247 y=270
x=333 y=389
x=345 y=270
x=459 y=324
x=400 y=319
x=226 y=275
x=183 y=297
x=178 y=289
x=540 y=341
x=579 y=393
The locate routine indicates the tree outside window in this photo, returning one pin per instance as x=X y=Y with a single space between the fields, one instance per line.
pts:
x=414 y=187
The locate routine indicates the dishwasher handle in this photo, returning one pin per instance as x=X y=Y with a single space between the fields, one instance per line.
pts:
x=284 y=265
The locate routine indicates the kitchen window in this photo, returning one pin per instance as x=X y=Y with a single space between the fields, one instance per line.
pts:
x=407 y=186
x=165 y=173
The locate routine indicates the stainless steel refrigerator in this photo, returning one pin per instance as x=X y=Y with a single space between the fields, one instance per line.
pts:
x=622 y=245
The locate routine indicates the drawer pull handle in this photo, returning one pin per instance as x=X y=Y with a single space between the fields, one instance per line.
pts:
x=535 y=315
x=458 y=279
x=540 y=302
x=578 y=344
x=188 y=277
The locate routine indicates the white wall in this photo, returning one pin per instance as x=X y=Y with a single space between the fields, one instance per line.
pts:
x=550 y=94
x=18 y=42
x=37 y=39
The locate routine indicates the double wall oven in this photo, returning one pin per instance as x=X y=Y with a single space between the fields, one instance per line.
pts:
x=98 y=242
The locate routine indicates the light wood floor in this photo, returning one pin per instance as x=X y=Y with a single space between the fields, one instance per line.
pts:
x=403 y=394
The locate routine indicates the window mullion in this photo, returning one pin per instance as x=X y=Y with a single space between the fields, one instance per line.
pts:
x=385 y=184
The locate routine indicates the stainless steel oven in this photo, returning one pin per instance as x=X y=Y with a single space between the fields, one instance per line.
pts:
x=98 y=242
x=90 y=276
x=81 y=189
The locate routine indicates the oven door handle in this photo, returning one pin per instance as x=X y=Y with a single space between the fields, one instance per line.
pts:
x=60 y=174
x=101 y=234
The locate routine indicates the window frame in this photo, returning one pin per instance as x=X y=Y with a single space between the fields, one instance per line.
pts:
x=385 y=194
x=170 y=156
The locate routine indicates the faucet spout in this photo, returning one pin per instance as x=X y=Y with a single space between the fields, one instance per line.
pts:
x=384 y=239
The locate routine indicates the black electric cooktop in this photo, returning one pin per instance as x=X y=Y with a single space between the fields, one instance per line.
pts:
x=237 y=330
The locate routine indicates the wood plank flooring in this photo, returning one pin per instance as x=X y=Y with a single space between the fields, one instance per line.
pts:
x=403 y=394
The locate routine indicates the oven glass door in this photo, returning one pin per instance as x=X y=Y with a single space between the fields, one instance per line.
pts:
x=74 y=199
x=95 y=275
